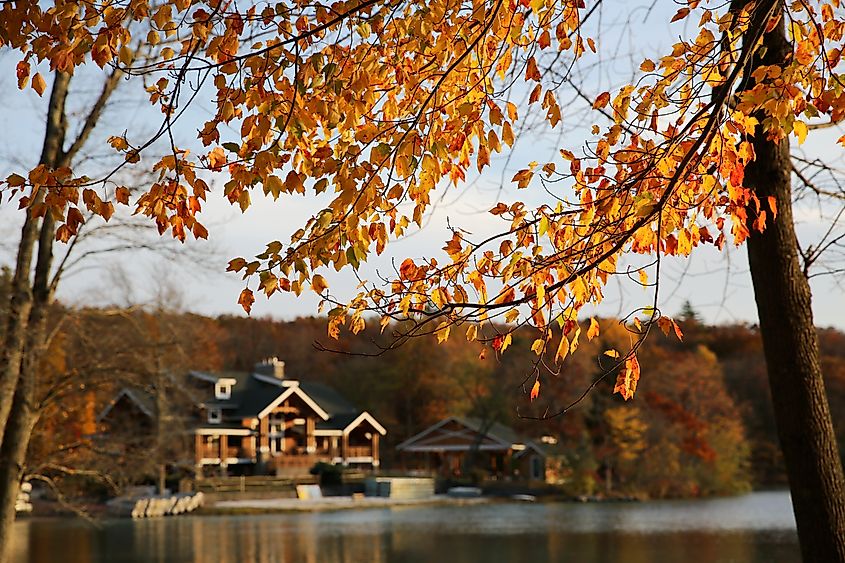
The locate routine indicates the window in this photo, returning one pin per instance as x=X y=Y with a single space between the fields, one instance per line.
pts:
x=215 y=415
x=222 y=390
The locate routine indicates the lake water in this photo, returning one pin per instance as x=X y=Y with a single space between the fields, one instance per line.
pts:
x=754 y=528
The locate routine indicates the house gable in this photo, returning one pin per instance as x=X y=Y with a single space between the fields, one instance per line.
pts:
x=134 y=399
x=462 y=434
x=297 y=392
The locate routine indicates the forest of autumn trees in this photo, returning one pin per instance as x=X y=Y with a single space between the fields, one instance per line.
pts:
x=381 y=104
x=702 y=426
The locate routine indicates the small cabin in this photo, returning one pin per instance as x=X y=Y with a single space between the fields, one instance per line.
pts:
x=448 y=448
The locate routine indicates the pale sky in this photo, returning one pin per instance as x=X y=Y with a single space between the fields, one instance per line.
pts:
x=718 y=285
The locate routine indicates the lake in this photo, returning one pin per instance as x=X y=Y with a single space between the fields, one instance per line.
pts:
x=753 y=528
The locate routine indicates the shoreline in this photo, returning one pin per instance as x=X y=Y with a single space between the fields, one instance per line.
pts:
x=326 y=504
x=282 y=505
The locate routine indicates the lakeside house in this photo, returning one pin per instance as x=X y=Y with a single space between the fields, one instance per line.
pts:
x=261 y=422
x=445 y=448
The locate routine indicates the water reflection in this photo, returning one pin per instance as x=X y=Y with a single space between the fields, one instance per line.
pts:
x=750 y=529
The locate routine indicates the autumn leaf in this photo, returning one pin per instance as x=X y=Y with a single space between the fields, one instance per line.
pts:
x=318 y=284
x=678 y=334
x=236 y=265
x=593 y=331
x=602 y=100
x=38 y=83
x=773 y=206
x=798 y=127
x=629 y=376
x=562 y=349
x=121 y=194
x=680 y=14
x=535 y=390
x=246 y=300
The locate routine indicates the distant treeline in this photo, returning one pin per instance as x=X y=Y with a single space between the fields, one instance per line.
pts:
x=700 y=423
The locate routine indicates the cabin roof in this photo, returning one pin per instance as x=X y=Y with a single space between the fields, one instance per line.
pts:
x=496 y=437
x=141 y=399
x=254 y=393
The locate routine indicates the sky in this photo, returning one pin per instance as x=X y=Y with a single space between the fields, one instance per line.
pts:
x=716 y=284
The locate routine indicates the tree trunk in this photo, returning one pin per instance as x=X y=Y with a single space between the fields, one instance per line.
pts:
x=25 y=342
x=12 y=454
x=21 y=298
x=790 y=344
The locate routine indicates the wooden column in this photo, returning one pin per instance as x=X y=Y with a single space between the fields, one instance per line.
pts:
x=264 y=438
x=344 y=448
x=223 y=444
x=310 y=439
x=374 y=451
x=199 y=443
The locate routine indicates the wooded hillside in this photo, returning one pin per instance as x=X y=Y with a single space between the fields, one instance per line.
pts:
x=701 y=423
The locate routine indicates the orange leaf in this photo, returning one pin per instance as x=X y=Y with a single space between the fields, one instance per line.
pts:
x=678 y=332
x=38 y=83
x=318 y=283
x=535 y=390
x=773 y=205
x=681 y=14
x=121 y=194
x=602 y=100
x=246 y=300
x=626 y=381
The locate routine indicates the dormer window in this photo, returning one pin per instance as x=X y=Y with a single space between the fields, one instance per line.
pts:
x=222 y=390
x=215 y=415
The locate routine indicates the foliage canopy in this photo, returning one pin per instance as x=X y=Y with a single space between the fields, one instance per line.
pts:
x=383 y=102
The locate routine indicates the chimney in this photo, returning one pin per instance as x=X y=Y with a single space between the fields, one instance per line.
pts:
x=272 y=367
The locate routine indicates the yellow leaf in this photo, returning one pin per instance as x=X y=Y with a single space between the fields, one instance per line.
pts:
x=126 y=55
x=593 y=331
x=443 y=330
x=798 y=127
x=318 y=283
x=562 y=349
x=472 y=332
x=507 y=134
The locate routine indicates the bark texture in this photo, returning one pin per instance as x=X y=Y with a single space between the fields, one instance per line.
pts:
x=790 y=344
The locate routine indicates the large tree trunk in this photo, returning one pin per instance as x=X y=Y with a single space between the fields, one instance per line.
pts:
x=791 y=347
x=26 y=339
